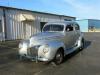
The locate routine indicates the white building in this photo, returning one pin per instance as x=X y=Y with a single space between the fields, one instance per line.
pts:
x=21 y=23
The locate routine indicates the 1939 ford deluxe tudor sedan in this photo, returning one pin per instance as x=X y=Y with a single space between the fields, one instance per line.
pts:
x=56 y=40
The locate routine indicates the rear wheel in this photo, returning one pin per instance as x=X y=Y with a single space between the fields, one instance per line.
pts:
x=59 y=57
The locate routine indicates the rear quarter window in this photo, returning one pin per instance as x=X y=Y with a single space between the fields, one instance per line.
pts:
x=77 y=27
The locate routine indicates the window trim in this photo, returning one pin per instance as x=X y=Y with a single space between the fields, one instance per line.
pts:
x=76 y=27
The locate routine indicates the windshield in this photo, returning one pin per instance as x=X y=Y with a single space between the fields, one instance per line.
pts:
x=53 y=27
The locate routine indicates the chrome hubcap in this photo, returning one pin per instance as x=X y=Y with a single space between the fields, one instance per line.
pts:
x=58 y=57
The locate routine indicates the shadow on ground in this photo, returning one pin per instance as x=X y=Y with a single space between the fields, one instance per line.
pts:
x=86 y=45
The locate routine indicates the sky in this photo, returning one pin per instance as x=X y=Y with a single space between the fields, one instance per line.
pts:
x=82 y=9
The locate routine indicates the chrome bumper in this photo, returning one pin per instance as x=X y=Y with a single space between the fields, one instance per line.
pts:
x=32 y=54
x=34 y=58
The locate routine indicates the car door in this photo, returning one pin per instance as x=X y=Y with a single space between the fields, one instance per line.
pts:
x=69 y=36
x=76 y=33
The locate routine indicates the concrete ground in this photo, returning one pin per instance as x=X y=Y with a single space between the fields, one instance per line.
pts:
x=85 y=62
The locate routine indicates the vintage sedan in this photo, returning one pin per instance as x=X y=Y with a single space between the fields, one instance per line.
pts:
x=56 y=40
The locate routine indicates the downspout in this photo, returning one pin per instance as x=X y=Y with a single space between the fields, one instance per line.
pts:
x=5 y=29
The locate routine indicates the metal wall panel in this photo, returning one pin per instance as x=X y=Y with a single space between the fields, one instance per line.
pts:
x=17 y=29
x=2 y=34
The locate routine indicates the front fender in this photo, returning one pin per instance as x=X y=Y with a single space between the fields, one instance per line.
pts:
x=56 y=45
x=53 y=47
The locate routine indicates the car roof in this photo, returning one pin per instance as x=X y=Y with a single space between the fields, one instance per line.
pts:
x=65 y=23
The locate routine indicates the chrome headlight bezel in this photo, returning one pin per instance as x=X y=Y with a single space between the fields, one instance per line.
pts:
x=46 y=48
x=24 y=43
x=20 y=45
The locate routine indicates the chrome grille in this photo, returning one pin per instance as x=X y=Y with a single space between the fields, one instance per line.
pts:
x=32 y=52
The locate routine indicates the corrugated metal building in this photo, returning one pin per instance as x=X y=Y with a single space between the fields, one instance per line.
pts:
x=20 y=23
x=89 y=25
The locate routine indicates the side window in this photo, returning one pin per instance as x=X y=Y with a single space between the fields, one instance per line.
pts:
x=69 y=27
x=77 y=27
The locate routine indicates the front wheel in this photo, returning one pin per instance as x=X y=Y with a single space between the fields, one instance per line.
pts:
x=82 y=45
x=58 y=57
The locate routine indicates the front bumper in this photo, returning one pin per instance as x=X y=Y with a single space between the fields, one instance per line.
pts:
x=35 y=53
x=34 y=58
x=32 y=54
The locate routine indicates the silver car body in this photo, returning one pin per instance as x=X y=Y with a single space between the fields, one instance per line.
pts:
x=43 y=46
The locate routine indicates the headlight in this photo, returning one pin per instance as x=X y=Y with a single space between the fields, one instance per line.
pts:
x=46 y=48
x=20 y=45
x=24 y=43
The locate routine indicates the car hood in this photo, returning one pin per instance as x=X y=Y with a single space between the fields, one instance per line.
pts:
x=45 y=37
